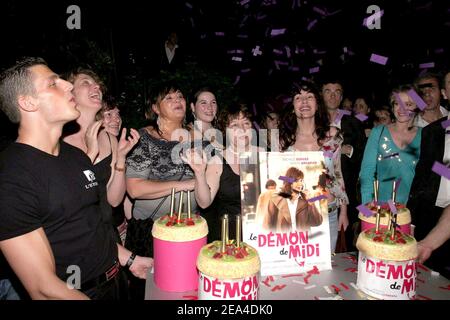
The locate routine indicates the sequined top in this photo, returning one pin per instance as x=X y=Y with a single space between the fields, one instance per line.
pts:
x=334 y=179
x=389 y=162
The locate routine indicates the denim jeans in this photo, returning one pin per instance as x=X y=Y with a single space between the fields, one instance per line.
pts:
x=7 y=291
x=333 y=221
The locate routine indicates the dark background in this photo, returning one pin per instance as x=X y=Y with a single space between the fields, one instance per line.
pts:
x=123 y=41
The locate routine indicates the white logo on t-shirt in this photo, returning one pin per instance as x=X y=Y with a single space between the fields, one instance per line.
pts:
x=89 y=175
x=91 y=178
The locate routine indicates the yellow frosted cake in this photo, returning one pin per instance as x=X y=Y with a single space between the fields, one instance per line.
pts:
x=403 y=217
x=231 y=275
x=166 y=228
x=386 y=266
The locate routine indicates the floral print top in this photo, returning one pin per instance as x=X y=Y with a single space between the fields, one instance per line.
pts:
x=331 y=148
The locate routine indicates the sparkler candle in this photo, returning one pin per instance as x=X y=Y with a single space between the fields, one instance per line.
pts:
x=224 y=232
x=189 y=204
x=172 y=202
x=226 y=229
x=238 y=231
x=393 y=215
x=180 y=207
x=375 y=194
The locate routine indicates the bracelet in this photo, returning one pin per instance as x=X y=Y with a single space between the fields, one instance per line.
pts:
x=118 y=168
x=130 y=260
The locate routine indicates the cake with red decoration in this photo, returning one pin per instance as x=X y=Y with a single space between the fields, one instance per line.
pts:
x=386 y=266
x=403 y=217
x=177 y=240
x=230 y=274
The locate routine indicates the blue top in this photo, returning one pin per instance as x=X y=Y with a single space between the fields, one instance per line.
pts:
x=384 y=157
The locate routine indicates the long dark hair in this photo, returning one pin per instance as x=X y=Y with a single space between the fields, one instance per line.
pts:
x=289 y=125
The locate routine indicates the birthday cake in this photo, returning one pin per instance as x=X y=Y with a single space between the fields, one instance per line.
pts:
x=403 y=217
x=177 y=240
x=232 y=274
x=168 y=229
x=386 y=266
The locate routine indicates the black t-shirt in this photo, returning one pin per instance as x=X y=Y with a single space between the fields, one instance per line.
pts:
x=61 y=195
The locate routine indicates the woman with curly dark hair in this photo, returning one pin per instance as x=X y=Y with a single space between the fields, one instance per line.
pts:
x=305 y=127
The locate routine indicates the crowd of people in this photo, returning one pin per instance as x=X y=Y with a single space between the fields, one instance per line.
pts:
x=76 y=189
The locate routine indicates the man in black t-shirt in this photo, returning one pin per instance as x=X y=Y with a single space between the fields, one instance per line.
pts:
x=51 y=230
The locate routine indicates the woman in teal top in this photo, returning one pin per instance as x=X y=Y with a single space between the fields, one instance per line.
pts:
x=392 y=151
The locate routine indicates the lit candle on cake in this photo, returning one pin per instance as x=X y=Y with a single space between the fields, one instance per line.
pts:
x=375 y=195
x=224 y=232
x=393 y=215
x=180 y=207
x=172 y=202
x=226 y=229
x=189 y=204
x=238 y=231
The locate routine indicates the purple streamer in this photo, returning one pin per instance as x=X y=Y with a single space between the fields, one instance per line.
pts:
x=340 y=114
x=277 y=32
x=361 y=117
x=378 y=59
x=426 y=65
x=317 y=198
x=417 y=99
x=286 y=179
x=364 y=210
x=441 y=170
x=445 y=124
x=311 y=24
x=392 y=206
x=314 y=70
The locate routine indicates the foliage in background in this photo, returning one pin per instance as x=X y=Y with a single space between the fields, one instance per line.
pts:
x=134 y=99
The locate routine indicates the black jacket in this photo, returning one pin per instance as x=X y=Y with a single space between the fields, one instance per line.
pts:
x=354 y=135
x=425 y=186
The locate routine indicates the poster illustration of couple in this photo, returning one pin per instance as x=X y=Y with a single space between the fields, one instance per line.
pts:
x=285 y=212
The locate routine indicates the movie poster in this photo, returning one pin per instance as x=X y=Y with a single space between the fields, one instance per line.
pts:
x=284 y=211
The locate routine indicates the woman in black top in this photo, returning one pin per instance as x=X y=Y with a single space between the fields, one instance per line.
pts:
x=217 y=181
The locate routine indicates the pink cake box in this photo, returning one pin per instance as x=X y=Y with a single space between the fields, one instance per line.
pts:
x=175 y=268
x=176 y=245
x=403 y=219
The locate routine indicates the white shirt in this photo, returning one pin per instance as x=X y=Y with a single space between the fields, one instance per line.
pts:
x=293 y=212
x=443 y=197
x=420 y=122
x=170 y=53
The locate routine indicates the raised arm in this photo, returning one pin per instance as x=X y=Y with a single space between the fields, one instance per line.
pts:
x=117 y=185
x=31 y=258
x=207 y=176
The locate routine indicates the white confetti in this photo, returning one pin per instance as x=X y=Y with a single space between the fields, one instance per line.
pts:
x=327 y=289
x=298 y=281
x=354 y=286
x=434 y=273
x=310 y=287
